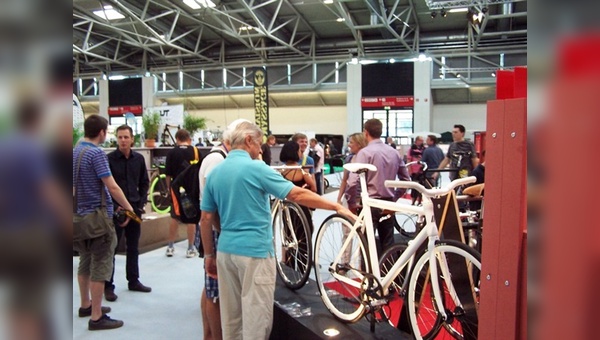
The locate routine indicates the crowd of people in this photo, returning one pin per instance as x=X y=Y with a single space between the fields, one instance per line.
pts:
x=239 y=261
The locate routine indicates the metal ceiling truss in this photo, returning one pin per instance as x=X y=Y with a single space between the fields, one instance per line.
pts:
x=448 y=4
x=162 y=36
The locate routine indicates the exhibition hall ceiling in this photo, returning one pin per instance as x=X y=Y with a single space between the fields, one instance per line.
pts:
x=158 y=36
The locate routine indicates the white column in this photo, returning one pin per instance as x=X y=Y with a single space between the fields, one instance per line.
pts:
x=353 y=95
x=147 y=93
x=423 y=109
x=103 y=101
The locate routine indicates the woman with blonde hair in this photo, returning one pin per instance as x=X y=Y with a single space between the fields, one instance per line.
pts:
x=356 y=142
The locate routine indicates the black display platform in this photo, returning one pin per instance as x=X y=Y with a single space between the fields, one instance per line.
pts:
x=311 y=327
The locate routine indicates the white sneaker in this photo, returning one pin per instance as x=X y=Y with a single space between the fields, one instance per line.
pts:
x=191 y=252
x=170 y=251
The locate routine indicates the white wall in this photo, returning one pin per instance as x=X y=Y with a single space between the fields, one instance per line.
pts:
x=330 y=120
x=472 y=116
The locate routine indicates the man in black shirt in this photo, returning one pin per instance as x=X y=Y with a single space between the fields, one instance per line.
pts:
x=460 y=156
x=178 y=159
x=129 y=171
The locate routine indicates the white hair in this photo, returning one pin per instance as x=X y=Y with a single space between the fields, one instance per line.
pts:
x=238 y=135
x=229 y=129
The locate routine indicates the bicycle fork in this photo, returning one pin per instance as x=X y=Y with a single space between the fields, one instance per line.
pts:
x=433 y=268
x=440 y=258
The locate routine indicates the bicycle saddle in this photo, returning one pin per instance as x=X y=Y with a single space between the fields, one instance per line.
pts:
x=357 y=167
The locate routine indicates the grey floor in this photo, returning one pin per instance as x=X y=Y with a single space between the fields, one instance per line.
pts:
x=172 y=309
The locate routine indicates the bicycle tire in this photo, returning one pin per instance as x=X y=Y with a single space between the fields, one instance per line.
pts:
x=160 y=199
x=395 y=291
x=342 y=299
x=459 y=293
x=293 y=249
x=409 y=222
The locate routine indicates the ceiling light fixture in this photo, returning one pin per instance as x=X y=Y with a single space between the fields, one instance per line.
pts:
x=443 y=13
x=433 y=14
x=474 y=16
x=327 y=2
x=458 y=10
x=109 y=13
x=340 y=20
x=197 y=4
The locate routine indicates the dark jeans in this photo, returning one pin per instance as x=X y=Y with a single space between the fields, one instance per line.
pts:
x=132 y=233
x=385 y=230
x=319 y=180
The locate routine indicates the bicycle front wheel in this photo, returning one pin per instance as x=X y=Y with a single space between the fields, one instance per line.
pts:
x=340 y=282
x=292 y=237
x=159 y=195
x=458 y=275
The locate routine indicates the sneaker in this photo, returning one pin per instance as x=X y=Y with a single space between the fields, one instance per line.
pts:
x=170 y=251
x=105 y=322
x=83 y=312
x=191 y=252
x=109 y=294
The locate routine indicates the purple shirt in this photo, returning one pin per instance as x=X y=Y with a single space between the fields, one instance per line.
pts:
x=389 y=165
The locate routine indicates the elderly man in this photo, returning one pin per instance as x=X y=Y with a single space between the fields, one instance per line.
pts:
x=245 y=258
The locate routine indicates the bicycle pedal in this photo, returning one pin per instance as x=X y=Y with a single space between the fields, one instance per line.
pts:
x=380 y=302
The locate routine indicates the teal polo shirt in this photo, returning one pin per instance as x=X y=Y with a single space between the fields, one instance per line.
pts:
x=238 y=189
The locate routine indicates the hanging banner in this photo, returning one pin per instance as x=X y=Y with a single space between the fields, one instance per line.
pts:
x=169 y=114
x=261 y=101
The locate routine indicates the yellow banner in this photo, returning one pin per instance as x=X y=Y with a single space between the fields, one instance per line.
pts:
x=261 y=101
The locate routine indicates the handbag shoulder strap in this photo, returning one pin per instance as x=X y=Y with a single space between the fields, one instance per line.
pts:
x=103 y=201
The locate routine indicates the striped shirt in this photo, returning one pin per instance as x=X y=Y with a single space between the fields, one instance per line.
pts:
x=94 y=166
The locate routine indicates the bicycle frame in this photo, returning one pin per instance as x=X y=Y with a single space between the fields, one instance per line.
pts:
x=429 y=233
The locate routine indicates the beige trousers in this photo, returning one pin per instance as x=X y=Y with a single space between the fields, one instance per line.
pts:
x=246 y=291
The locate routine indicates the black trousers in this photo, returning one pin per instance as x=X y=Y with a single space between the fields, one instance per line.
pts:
x=132 y=232
x=385 y=230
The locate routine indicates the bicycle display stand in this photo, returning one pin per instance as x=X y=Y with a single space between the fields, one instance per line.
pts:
x=313 y=326
x=504 y=285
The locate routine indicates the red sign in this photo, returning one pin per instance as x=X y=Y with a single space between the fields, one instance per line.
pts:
x=387 y=101
x=121 y=110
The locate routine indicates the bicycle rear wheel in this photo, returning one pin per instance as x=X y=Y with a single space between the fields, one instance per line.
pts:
x=396 y=291
x=340 y=284
x=458 y=273
x=292 y=237
x=159 y=195
x=406 y=224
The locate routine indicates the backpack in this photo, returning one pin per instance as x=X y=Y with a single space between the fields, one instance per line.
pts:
x=188 y=179
x=313 y=153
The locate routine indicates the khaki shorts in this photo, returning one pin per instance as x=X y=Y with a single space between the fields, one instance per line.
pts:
x=96 y=256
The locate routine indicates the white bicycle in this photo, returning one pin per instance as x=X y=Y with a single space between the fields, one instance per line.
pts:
x=441 y=287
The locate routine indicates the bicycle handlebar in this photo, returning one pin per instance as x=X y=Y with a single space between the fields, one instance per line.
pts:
x=423 y=164
x=430 y=192
x=290 y=167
